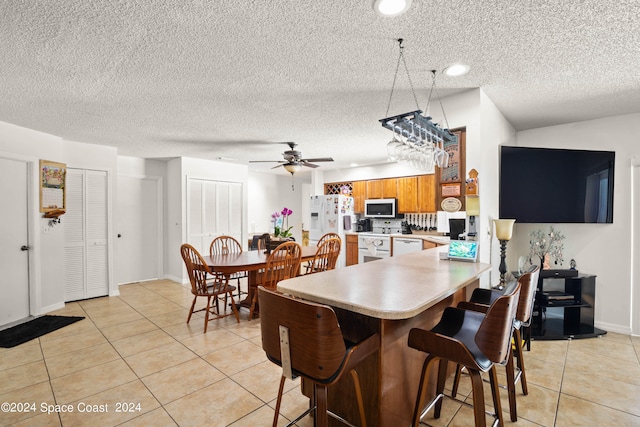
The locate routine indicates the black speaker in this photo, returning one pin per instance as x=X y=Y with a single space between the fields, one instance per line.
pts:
x=558 y=273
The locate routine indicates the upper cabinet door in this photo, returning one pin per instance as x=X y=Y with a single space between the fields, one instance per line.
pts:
x=408 y=194
x=374 y=189
x=427 y=193
x=359 y=193
x=389 y=188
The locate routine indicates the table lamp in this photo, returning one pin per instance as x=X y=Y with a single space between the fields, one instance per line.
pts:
x=504 y=230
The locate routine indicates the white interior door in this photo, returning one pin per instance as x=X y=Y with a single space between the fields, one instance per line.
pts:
x=86 y=251
x=139 y=215
x=14 y=262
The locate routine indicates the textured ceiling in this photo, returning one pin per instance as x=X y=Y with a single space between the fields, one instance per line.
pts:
x=229 y=78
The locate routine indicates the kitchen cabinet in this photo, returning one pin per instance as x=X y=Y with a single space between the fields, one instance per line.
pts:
x=426 y=244
x=359 y=193
x=374 y=189
x=389 y=188
x=415 y=194
x=408 y=194
x=352 y=249
x=427 y=193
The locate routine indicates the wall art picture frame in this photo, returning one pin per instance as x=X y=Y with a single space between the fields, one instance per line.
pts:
x=52 y=186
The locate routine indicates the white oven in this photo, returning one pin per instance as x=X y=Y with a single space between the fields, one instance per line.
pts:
x=373 y=246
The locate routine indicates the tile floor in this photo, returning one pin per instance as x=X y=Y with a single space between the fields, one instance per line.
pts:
x=135 y=353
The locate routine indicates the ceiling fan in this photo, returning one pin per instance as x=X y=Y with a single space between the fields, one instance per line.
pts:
x=293 y=160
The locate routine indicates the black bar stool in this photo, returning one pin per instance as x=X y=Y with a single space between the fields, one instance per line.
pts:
x=474 y=340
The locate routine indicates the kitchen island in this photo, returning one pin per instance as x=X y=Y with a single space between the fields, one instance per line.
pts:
x=388 y=297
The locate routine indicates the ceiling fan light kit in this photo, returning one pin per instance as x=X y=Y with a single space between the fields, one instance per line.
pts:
x=293 y=160
x=417 y=140
x=292 y=167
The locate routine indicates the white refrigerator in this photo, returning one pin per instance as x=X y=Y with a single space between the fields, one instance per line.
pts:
x=331 y=214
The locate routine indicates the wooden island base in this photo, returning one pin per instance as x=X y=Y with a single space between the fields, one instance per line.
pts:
x=389 y=379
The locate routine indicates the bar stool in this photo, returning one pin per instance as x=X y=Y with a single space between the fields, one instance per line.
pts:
x=480 y=301
x=474 y=340
x=305 y=339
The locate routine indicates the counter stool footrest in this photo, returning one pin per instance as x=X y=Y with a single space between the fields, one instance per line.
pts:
x=440 y=396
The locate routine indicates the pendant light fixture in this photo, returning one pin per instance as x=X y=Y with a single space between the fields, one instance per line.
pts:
x=417 y=140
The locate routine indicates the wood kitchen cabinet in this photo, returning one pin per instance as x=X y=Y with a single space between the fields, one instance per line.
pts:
x=408 y=194
x=415 y=194
x=351 y=249
x=426 y=244
x=389 y=188
x=374 y=189
x=427 y=193
x=359 y=193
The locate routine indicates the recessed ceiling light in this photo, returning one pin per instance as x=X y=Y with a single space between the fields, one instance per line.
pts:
x=353 y=165
x=391 y=8
x=456 y=70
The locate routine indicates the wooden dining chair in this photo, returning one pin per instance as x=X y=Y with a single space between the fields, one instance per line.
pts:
x=305 y=339
x=472 y=339
x=282 y=263
x=307 y=266
x=326 y=256
x=215 y=288
x=481 y=300
x=264 y=241
x=225 y=245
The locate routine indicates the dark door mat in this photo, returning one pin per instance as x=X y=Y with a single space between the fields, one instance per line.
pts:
x=35 y=328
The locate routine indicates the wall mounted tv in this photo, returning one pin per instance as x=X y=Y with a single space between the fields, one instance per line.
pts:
x=543 y=185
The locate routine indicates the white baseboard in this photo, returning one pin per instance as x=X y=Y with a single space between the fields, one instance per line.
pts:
x=610 y=327
x=175 y=279
x=52 y=307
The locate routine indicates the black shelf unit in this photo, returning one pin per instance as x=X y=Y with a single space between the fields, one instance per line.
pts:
x=564 y=306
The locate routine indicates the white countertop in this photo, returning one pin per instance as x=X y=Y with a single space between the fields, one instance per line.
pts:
x=390 y=288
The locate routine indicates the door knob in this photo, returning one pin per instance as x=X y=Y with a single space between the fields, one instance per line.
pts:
x=24 y=248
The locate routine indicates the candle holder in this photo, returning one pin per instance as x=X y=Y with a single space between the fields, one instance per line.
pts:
x=504 y=231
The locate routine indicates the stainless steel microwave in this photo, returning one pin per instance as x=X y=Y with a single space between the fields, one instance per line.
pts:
x=380 y=208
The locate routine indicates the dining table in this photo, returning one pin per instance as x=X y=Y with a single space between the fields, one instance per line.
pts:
x=252 y=262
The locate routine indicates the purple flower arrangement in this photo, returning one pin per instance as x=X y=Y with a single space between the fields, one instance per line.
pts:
x=280 y=222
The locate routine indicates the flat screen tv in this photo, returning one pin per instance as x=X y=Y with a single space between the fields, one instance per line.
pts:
x=543 y=185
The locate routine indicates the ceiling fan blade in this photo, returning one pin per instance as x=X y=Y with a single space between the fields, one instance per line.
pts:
x=277 y=166
x=310 y=165
x=319 y=159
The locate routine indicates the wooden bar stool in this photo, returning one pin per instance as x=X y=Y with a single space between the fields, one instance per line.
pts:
x=305 y=339
x=474 y=340
x=480 y=301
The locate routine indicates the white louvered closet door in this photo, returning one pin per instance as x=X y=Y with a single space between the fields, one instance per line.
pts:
x=214 y=208
x=85 y=231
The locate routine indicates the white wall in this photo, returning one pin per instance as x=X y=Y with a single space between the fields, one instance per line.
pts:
x=600 y=249
x=269 y=193
x=495 y=131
